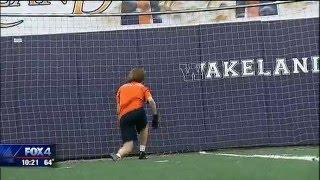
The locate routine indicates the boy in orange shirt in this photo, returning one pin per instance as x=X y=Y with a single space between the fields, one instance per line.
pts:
x=132 y=118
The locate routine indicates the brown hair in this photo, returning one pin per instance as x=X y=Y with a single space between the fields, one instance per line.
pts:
x=137 y=75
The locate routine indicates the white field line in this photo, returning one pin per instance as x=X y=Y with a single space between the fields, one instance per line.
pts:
x=67 y=167
x=162 y=161
x=268 y=156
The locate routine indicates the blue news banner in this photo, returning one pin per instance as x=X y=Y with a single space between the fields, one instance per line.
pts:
x=27 y=155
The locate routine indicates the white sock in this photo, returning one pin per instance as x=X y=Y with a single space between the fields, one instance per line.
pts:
x=142 y=148
x=118 y=155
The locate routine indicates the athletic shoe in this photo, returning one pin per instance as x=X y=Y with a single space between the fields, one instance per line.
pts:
x=143 y=155
x=114 y=157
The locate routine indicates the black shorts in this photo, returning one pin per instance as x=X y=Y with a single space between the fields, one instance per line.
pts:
x=132 y=123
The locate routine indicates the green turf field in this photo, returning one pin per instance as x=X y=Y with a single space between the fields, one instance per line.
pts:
x=189 y=166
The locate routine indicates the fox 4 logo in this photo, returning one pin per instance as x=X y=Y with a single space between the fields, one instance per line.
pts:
x=37 y=151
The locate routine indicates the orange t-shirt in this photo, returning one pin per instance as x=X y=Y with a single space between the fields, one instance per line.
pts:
x=132 y=96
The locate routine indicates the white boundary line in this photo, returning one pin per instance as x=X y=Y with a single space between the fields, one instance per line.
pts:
x=67 y=167
x=163 y=161
x=268 y=156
